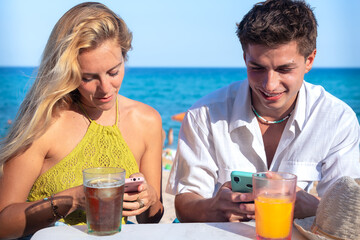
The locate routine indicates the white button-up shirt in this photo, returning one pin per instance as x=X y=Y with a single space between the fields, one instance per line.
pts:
x=220 y=133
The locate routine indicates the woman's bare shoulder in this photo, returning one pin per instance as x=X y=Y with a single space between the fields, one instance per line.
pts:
x=138 y=111
x=66 y=130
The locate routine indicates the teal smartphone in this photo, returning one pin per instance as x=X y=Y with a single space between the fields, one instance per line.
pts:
x=241 y=181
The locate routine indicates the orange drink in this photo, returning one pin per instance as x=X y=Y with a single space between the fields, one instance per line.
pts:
x=274 y=194
x=274 y=215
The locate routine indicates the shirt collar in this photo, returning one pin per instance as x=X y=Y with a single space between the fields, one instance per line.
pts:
x=300 y=107
x=242 y=114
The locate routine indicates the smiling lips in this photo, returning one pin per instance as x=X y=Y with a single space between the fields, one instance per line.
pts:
x=271 y=96
x=104 y=99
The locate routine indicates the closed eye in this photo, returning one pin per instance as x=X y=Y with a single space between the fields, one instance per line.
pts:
x=256 y=68
x=113 y=74
x=88 y=79
x=285 y=70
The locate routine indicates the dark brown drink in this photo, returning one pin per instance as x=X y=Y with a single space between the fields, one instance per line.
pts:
x=104 y=199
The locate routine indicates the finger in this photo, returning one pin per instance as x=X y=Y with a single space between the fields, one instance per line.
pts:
x=129 y=206
x=143 y=187
x=227 y=185
x=273 y=175
x=127 y=213
x=140 y=202
x=228 y=194
x=137 y=207
x=251 y=216
x=135 y=212
x=228 y=208
x=247 y=208
x=131 y=196
x=238 y=197
x=231 y=217
x=225 y=192
x=138 y=174
x=137 y=204
x=247 y=197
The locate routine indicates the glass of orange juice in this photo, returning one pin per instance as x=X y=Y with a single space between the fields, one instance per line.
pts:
x=274 y=194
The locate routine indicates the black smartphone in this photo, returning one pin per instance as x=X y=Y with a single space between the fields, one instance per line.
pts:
x=241 y=181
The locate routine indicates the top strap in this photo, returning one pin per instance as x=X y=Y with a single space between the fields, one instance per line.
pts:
x=91 y=120
x=117 y=112
x=83 y=110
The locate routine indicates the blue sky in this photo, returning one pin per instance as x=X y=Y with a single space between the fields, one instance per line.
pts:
x=186 y=33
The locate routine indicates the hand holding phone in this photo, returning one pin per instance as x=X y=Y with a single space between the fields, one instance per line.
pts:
x=132 y=184
x=241 y=181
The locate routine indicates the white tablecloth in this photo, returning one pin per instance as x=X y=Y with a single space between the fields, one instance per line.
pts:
x=175 y=231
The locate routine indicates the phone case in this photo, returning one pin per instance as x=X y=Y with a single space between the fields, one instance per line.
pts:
x=241 y=181
x=132 y=184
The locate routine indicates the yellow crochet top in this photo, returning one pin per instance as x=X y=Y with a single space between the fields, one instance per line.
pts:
x=102 y=146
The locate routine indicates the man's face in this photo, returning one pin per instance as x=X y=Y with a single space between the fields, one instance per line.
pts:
x=275 y=76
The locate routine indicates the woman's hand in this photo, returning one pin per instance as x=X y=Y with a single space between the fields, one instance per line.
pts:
x=77 y=196
x=138 y=202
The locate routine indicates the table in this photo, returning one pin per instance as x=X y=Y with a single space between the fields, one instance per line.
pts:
x=174 y=231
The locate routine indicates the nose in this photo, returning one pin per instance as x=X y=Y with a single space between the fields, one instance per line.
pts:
x=105 y=84
x=270 y=82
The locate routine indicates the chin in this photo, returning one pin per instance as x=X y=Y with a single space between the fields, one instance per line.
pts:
x=105 y=106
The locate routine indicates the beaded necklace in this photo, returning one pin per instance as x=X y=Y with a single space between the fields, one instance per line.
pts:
x=271 y=122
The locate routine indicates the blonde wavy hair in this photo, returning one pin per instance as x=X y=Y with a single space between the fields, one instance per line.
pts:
x=83 y=27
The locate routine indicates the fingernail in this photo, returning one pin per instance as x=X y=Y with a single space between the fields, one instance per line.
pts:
x=242 y=197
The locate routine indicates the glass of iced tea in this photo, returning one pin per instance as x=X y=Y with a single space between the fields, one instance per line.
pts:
x=104 y=191
x=274 y=194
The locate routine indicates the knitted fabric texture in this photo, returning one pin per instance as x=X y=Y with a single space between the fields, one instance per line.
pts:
x=102 y=146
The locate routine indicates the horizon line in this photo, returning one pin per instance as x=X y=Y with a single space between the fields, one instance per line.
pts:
x=190 y=67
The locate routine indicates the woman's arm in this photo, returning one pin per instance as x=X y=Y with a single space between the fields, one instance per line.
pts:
x=19 y=217
x=141 y=128
x=151 y=167
x=18 y=177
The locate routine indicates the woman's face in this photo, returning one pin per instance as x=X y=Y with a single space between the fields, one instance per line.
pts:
x=102 y=71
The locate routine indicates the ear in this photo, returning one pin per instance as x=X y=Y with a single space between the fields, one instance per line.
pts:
x=244 y=56
x=309 y=61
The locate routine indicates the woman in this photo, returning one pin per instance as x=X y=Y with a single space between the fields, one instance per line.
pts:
x=73 y=118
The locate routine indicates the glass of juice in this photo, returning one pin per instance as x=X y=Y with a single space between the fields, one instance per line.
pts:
x=104 y=191
x=274 y=194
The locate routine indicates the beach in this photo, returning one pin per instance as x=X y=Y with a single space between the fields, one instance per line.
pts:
x=172 y=91
x=168 y=201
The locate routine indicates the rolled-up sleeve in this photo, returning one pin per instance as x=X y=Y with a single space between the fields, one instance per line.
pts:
x=343 y=157
x=194 y=169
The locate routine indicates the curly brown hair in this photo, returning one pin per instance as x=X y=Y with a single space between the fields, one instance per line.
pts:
x=276 y=22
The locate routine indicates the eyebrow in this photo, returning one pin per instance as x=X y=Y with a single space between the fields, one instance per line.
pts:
x=106 y=71
x=254 y=63
x=281 y=66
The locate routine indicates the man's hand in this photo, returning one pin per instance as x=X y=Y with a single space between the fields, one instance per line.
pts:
x=305 y=204
x=226 y=206
x=232 y=206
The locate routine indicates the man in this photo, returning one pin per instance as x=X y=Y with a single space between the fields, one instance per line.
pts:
x=273 y=121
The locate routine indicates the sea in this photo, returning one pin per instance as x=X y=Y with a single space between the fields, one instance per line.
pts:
x=173 y=90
